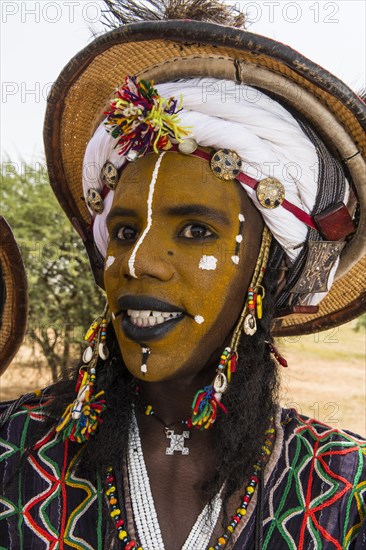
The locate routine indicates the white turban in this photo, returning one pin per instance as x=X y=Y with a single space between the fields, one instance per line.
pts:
x=225 y=115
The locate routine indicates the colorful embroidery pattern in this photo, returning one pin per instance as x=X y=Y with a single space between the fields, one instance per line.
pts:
x=320 y=483
x=315 y=497
x=48 y=505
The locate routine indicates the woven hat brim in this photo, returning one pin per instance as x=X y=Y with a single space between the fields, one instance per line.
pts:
x=180 y=49
x=15 y=307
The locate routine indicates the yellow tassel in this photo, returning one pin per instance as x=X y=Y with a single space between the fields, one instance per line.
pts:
x=66 y=417
x=259 y=306
x=228 y=371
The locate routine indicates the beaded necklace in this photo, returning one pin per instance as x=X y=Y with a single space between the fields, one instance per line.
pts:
x=258 y=469
x=143 y=505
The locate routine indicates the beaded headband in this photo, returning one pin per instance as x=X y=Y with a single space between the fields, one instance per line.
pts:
x=314 y=228
x=143 y=122
x=225 y=164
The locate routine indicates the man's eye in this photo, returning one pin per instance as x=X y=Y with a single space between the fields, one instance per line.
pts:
x=195 y=231
x=126 y=233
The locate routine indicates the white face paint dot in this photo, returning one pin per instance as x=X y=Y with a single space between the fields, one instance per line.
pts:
x=208 y=262
x=235 y=259
x=109 y=261
x=241 y=218
x=239 y=238
x=199 y=319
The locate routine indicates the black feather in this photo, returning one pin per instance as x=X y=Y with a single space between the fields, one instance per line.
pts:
x=122 y=12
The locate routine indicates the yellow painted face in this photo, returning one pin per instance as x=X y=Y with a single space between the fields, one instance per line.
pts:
x=183 y=246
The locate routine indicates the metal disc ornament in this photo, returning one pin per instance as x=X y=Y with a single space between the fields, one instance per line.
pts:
x=109 y=175
x=270 y=193
x=226 y=164
x=94 y=200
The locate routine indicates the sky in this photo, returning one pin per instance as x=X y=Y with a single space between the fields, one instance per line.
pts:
x=38 y=38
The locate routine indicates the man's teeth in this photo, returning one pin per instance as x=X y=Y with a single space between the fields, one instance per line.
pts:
x=148 y=318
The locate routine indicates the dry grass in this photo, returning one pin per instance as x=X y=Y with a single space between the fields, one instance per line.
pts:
x=326 y=378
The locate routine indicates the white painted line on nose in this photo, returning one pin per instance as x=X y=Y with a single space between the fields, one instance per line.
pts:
x=131 y=261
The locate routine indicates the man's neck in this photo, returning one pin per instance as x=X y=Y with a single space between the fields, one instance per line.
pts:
x=171 y=400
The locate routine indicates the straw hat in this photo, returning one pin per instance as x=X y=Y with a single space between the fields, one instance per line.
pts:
x=13 y=296
x=167 y=50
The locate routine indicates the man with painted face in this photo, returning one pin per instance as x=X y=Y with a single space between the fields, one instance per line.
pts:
x=221 y=184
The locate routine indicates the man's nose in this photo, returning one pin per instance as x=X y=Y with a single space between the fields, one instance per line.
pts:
x=150 y=258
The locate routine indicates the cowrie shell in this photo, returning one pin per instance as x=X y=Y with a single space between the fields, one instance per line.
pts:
x=103 y=351
x=88 y=354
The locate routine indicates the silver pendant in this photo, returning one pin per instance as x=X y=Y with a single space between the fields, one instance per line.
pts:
x=176 y=442
x=320 y=260
x=94 y=200
x=109 y=175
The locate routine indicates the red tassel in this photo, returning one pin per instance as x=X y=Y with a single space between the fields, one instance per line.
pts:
x=220 y=405
x=282 y=361
x=233 y=362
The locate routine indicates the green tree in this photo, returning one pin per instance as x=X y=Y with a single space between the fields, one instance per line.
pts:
x=63 y=296
x=361 y=323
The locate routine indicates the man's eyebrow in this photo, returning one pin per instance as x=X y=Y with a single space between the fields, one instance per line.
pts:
x=119 y=211
x=198 y=210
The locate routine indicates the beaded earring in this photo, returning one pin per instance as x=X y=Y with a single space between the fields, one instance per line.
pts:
x=255 y=308
x=81 y=418
x=207 y=402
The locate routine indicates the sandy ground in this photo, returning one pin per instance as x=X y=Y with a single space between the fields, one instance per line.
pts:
x=325 y=379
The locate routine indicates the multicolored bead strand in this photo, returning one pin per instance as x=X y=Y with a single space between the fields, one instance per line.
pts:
x=250 y=323
x=250 y=489
x=241 y=511
x=115 y=512
x=102 y=348
x=81 y=418
x=247 y=321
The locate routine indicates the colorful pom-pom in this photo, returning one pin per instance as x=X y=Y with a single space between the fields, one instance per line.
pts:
x=139 y=118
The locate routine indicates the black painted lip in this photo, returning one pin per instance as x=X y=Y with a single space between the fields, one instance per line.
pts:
x=146 y=334
x=145 y=303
